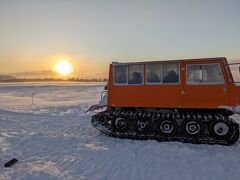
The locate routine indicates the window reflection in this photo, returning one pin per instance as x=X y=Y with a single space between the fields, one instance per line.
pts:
x=120 y=74
x=154 y=73
x=170 y=73
x=135 y=74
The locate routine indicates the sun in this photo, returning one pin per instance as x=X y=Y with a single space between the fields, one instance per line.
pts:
x=63 y=67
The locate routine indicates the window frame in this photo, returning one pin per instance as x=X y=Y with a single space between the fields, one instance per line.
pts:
x=144 y=77
x=205 y=83
x=162 y=83
x=127 y=84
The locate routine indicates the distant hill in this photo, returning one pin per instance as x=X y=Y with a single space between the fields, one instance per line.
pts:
x=7 y=78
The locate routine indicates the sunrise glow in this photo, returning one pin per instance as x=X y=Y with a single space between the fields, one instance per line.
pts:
x=63 y=68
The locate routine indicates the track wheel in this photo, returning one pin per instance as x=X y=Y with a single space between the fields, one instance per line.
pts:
x=220 y=129
x=103 y=120
x=120 y=124
x=143 y=126
x=192 y=128
x=167 y=127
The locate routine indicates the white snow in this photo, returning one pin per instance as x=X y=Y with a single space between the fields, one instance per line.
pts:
x=235 y=109
x=53 y=139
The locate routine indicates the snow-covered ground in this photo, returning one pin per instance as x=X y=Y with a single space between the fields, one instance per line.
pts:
x=44 y=126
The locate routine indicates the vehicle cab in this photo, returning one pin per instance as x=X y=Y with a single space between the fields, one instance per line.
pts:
x=191 y=83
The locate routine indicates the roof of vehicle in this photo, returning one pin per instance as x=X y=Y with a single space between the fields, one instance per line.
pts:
x=180 y=60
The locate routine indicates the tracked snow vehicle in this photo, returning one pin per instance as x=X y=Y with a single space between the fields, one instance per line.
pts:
x=181 y=100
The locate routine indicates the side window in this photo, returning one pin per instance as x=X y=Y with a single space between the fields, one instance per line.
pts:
x=194 y=74
x=170 y=72
x=207 y=73
x=212 y=73
x=135 y=74
x=120 y=74
x=154 y=73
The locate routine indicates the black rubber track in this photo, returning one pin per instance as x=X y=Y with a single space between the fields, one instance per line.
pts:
x=104 y=122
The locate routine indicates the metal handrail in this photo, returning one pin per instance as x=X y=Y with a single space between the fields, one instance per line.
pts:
x=232 y=64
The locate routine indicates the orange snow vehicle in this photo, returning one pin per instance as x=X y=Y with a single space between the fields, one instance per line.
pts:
x=181 y=100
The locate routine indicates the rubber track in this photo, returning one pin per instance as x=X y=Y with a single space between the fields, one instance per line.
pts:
x=103 y=122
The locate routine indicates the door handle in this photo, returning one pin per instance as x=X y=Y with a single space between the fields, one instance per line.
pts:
x=183 y=92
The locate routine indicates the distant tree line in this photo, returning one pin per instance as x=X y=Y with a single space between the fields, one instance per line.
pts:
x=55 y=79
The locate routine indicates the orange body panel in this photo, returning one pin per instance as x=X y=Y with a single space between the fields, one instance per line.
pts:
x=179 y=95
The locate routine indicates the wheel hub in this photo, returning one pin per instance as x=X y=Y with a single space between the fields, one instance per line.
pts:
x=166 y=126
x=143 y=125
x=120 y=123
x=221 y=129
x=193 y=127
x=102 y=120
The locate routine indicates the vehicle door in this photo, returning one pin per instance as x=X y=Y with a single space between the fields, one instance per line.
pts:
x=204 y=84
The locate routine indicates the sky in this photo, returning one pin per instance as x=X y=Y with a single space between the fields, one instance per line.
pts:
x=35 y=34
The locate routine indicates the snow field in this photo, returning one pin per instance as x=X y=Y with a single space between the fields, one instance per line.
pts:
x=53 y=139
